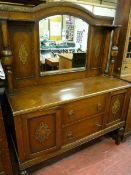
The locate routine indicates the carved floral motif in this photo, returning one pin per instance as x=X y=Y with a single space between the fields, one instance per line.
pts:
x=42 y=133
x=23 y=54
x=116 y=106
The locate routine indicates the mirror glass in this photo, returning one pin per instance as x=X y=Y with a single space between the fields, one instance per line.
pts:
x=63 y=43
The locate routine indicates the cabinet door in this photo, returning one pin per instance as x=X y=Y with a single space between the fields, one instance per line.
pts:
x=38 y=134
x=116 y=108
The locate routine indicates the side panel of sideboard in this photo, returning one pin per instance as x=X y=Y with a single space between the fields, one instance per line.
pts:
x=5 y=161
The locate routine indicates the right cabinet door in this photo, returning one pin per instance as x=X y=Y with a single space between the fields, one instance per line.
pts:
x=116 y=108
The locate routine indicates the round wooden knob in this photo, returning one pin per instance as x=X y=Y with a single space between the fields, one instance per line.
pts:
x=99 y=107
x=71 y=114
x=69 y=134
x=98 y=126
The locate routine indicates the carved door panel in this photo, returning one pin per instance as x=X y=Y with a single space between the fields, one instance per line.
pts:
x=116 y=108
x=39 y=133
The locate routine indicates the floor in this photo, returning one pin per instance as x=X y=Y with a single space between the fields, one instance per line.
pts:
x=101 y=158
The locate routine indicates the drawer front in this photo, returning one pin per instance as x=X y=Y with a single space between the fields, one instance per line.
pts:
x=81 y=129
x=83 y=108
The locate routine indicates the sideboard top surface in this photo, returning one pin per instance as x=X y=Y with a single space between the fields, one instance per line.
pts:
x=44 y=96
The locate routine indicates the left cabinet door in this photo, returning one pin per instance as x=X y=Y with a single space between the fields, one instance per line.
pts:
x=38 y=134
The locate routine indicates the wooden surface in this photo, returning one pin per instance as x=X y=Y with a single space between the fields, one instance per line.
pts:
x=5 y=161
x=23 y=39
x=50 y=120
x=126 y=78
x=65 y=61
x=54 y=114
x=68 y=56
x=37 y=97
x=126 y=62
x=52 y=62
x=23 y=2
x=122 y=18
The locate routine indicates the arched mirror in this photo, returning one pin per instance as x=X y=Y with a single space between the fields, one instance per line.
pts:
x=63 y=44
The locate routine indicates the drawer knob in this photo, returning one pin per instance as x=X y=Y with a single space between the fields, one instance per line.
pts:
x=99 y=107
x=71 y=114
x=98 y=126
x=69 y=134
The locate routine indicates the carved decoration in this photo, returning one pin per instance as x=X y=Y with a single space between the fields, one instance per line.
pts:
x=23 y=54
x=116 y=106
x=42 y=133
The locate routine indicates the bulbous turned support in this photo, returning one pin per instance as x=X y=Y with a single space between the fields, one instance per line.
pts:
x=114 y=50
x=6 y=57
x=114 y=53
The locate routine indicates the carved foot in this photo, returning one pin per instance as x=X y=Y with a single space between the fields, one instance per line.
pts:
x=119 y=136
x=24 y=172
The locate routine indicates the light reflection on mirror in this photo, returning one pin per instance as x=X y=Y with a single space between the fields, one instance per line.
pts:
x=63 y=43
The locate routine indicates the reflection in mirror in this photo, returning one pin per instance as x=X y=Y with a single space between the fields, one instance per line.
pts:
x=63 y=43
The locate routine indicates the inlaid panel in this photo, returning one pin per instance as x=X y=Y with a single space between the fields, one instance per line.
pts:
x=23 y=48
x=41 y=133
x=116 y=107
x=99 y=46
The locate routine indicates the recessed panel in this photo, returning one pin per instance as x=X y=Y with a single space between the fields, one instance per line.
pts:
x=42 y=133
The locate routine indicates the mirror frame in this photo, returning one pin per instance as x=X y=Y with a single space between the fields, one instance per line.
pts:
x=29 y=16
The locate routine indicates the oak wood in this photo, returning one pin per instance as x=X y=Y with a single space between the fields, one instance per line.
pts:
x=23 y=27
x=56 y=113
x=5 y=161
x=77 y=131
x=83 y=108
x=122 y=17
x=37 y=97
x=65 y=61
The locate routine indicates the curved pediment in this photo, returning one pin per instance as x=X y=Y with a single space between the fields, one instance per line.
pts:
x=49 y=9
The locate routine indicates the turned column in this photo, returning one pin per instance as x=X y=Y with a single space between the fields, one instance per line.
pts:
x=6 y=57
x=114 y=51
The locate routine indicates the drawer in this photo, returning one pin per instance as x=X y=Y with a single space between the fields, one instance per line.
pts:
x=81 y=129
x=84 y=108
